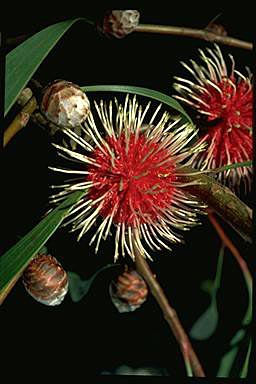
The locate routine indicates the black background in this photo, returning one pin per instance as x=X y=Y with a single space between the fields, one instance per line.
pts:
x=91 y=336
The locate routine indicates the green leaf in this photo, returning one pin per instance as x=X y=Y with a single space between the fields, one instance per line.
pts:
x=15 y=260
x=229 y=358
x=232 y=166
x=248 y=315
x=205 y=326
x=227 y=362
x=207 y=323
x=24 y=60
x=159 y=96
x=78 y=287
x=244 y=369
x=208 y=286
x=237 y=338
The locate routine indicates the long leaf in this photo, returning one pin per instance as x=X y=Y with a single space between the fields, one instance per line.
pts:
x=226 y=362
x=24 y=60
x=229 y=357
x=151 y=93
x=244 y=370
x=15 y=260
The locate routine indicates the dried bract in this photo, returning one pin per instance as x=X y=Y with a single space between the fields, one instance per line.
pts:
x=64 y=104
x=45 y=280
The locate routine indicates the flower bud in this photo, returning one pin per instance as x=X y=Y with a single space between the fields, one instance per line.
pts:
x=119 y=23
x=24 y=96
x=45 y=280
x=64 y=104
x=218 y=29
x=128 y=292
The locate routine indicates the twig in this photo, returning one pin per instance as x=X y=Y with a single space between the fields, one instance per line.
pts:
x=228 y=243
x=190 y=357
x=20 y=120
x=234 y=251
x=195 y=33
x=224 y=202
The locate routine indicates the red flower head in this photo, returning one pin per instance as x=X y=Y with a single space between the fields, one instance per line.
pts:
x=225 y=101
x=132 y=176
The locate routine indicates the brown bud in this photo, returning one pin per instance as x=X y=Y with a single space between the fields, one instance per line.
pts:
x=119 y=23
x=218 y=29
x=128 y=292
x=45 y=280
x=24 y=96
x=64 y=104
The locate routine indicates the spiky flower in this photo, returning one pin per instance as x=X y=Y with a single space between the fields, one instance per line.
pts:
x=224 y=103
x=132 y=177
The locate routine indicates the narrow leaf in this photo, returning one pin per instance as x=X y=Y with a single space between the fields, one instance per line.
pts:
x=207 y=323
x=15 y=260
x=245 y=367
x=208 y=286
x=227 y=362
x=24 y=60
x=237 y=338
x=232 y=166
x=228 y=359
x=159 y=96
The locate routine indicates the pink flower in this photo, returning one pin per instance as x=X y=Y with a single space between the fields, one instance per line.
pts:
x=224 y=103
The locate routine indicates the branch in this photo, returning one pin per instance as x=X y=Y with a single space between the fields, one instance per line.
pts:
x=241 y=262
x=202 y=34
x=170 y=315
x=224 y=202
x=20 y=121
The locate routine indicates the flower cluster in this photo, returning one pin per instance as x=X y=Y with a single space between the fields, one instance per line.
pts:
x=132 y=176
x=225 y=101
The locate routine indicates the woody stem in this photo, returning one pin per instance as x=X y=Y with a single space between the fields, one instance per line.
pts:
x=190 y=358
x=221 y=200
x=202 y=34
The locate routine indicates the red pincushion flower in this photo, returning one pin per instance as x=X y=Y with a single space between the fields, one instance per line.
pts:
x=226 y=103
x=134 y=187
x=132 y=178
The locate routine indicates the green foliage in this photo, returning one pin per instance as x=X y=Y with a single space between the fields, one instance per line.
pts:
x=230 y=361
x=244 y=370
x=152 y=94
x=207 y=323
x=15 y=260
